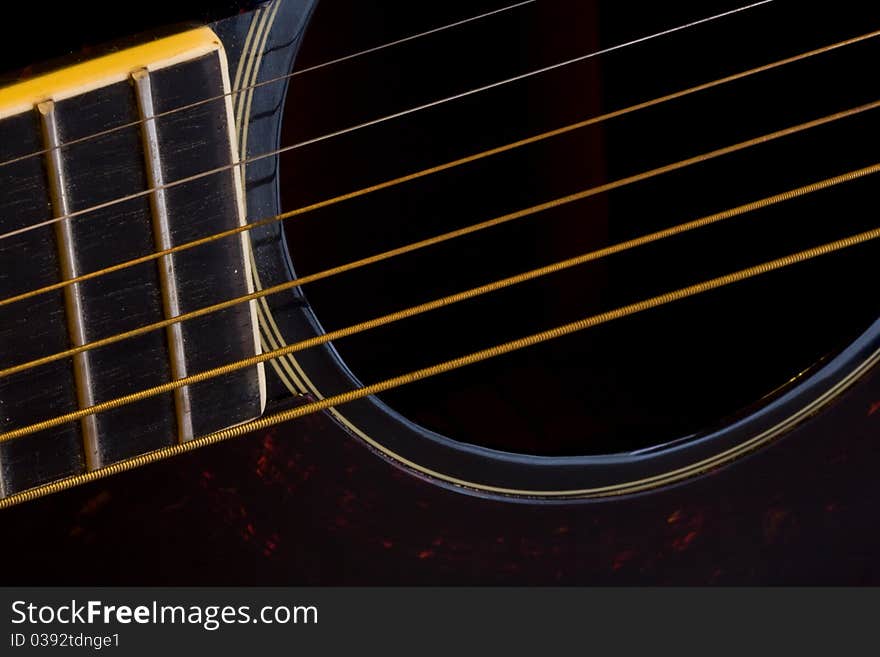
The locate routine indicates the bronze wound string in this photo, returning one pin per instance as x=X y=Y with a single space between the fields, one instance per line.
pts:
x=445 y=237
x=446 y=366
x=448 y=300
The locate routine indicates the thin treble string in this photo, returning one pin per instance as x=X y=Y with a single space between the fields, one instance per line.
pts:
x=391 y=44
x=257 y=85
x=373 y=122
x=439 y=168
x=467 y=295
x=432 y=241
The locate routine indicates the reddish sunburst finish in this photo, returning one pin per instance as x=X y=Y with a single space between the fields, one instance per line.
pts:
x=306 y=504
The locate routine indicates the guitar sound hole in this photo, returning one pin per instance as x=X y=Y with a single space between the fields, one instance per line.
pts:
x=633 y=383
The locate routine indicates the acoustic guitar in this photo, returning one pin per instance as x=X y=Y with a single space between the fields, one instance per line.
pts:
x=536 y=292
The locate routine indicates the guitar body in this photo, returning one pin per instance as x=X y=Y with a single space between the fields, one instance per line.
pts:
x=317 y=502
x=307 y=505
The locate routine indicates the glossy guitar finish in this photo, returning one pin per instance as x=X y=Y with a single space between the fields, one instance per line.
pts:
x=307 y=503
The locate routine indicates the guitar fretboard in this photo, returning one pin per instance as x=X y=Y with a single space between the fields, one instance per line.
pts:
x=101 y=201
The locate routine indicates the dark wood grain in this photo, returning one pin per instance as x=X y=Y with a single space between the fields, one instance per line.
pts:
x=192 y=142
x=34 y=328
x=98 y=171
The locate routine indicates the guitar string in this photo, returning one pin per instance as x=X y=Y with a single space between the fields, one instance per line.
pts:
x=15 y=498
x=274 y=80
x=438 y=168
x=445 y=366
x=391 y=44
x=360 y=126
x=442 y=302
x=438 y=239
x=316 y=409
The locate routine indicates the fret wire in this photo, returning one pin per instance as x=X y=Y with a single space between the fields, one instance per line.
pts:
x=143 y=88
x=442 y=167
x=472 y=293
x=447 y=366
x=380 y=120
x=461 y=232
x=69 y=269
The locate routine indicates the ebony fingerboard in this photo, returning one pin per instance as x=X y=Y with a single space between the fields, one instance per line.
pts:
x=122 y=191
x=35 y=327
